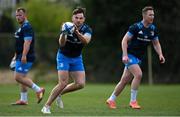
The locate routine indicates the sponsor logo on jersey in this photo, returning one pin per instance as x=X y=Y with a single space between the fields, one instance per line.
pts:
x=140 y=32
x=152 y=33
x=143 y=39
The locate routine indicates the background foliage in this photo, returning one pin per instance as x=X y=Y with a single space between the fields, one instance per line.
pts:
x=47 y=16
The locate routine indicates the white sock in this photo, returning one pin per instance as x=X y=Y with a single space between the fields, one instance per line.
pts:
x=36 y=88
x=112 y=97
x=24 y=96
x=133 y=95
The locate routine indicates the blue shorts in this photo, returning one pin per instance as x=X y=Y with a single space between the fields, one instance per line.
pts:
x=132 y=60
x=23 y=68
x=69 y=64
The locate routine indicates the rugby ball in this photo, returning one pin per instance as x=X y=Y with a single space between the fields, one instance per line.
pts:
x=12 y=65
x=68 y=28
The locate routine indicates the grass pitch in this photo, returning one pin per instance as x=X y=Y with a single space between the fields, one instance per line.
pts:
x=157 y=100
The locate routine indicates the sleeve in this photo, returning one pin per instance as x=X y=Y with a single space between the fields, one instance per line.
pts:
x=28 y=33
x=88 y=32
x=132 y=30
x=155 y=34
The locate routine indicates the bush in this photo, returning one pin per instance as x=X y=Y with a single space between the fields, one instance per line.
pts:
x=46 y=16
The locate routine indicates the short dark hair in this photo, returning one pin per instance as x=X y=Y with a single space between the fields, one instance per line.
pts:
x=79 y=10
x=145 y=9
x=21 y=9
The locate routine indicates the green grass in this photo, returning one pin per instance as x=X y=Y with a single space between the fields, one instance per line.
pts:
x=158 y=100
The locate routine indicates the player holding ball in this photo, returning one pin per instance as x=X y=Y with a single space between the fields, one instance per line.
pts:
x=69 y=59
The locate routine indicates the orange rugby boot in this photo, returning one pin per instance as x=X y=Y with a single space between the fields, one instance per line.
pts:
x=111 y=104
x=40 y=95
x=134 y=105
x=20 y=102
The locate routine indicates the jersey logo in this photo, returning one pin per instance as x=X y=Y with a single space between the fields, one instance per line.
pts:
x=140 y=32
x=20 y=68
x=61 y=65
x=152 y=33
x=146 y=37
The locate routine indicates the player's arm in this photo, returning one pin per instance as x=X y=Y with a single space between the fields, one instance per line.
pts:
x=85 y=39
x=28 y=36
x=124 y=45
x=157 y=47
x=62 y=39
x=26 y=46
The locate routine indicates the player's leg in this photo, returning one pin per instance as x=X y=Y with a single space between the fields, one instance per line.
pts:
x=59 y=102
x=77 y=73
x=63 y=77
x=79 y=82
x=137 y=73
x=125 y=78
x=23 y=96
x=21 y=71
x=63 y=81
x=24 y=93
x=22 y=79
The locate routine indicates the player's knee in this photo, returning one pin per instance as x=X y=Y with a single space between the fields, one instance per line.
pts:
x=81 y=85
x=63 y=81
x=17 y=79
x=63 y=84
x=139 y=75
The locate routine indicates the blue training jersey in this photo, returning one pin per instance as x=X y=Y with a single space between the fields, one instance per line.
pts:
x=74 y=46
x=25 y=32
x=141 y=38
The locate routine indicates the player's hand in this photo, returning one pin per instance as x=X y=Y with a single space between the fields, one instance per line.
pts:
x=161 y=59
x=76 y=30
x=63 y=29
x=125 y=59
x=67 y=28
x=24 y=59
